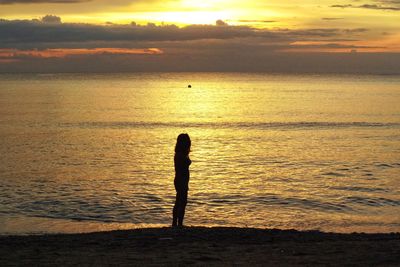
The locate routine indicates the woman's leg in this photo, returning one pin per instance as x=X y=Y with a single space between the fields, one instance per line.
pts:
x=182 y=206
x=175 y=211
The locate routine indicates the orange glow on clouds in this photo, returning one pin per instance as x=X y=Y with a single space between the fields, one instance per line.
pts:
x=12 y=55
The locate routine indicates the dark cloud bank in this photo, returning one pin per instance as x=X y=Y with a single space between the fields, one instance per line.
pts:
x=217 y=47
x=37 y=33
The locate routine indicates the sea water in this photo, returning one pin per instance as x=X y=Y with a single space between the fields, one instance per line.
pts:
x=89 y=152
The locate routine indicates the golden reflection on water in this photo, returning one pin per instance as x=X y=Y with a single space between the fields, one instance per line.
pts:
x=277 y=151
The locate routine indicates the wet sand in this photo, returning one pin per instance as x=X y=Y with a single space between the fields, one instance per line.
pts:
x=201 y=246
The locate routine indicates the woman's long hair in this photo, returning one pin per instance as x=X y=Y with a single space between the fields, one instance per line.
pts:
x=183 y=144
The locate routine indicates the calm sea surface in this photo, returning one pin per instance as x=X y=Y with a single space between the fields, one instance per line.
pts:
x=95 y=152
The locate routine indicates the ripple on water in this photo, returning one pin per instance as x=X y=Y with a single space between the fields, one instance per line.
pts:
x=302 y=203
x=359 y=189
x=343 y=169
x=372 y=202
x=386 y=165
x=336 y=174
x=368 y=174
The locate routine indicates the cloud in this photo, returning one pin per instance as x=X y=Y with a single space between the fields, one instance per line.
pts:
x=62 y=53
x=355 y=30
x=49 y=45
x=49 y=30
x=331 y=18
x=48 y=35
x=256 y=21
x=343 y=6
x=391 y=5
x=379 y=7
x=391 y=2
x=51 y=19
x=35 y=31
x=221 y=23
x=9 y=2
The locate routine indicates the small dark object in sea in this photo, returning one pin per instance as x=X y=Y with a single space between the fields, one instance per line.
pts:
x=189 y=86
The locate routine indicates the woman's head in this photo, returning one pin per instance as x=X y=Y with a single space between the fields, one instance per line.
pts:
x=183 y=144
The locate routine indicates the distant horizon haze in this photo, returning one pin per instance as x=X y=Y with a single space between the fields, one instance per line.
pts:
x=319 y=63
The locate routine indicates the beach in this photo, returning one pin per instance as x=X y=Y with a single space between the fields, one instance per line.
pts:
x=202 y=246
x=270 y=130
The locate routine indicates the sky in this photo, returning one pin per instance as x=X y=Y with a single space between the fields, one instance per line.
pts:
x=349 y=36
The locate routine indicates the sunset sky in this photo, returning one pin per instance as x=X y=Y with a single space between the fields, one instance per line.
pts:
x=185 y=35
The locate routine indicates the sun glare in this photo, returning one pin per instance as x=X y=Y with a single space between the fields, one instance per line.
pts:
x=198 y=4
x=208 y=4
x=186 y=18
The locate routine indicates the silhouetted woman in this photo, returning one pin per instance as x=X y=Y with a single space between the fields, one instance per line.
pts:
x=181 y=181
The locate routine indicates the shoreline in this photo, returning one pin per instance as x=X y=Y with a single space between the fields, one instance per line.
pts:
x=202 y=246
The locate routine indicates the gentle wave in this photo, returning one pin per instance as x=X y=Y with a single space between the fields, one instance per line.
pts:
x=372 y=201
x=303 y=203
x=241 y=125
x=153 y=208
x=359 y=189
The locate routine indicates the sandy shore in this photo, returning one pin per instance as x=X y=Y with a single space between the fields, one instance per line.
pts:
x=201 y=246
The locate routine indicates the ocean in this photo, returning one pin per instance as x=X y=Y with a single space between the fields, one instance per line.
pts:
x=91 y=152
